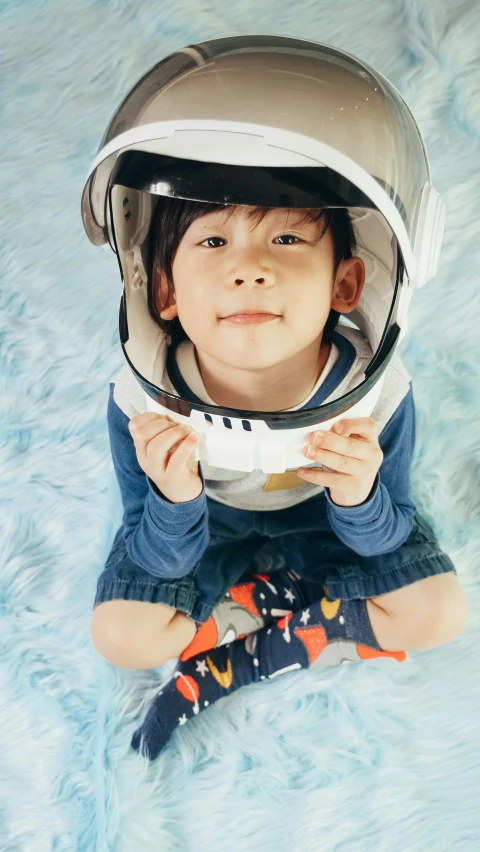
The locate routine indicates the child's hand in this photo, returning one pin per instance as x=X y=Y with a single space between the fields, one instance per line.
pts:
x=165 y=452
x=352 y=460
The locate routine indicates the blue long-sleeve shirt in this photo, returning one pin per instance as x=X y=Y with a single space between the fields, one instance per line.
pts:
x=167 y=539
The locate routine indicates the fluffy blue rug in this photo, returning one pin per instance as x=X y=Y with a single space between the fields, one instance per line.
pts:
x=371 y=757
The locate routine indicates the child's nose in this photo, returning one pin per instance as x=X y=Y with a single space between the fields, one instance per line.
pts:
x=252 y=281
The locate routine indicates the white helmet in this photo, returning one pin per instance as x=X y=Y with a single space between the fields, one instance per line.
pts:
x=267 y=121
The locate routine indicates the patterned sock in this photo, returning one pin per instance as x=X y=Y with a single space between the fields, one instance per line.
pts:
x=254 y=603
x=325 y=633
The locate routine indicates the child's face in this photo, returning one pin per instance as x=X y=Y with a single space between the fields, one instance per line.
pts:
x=255 y=295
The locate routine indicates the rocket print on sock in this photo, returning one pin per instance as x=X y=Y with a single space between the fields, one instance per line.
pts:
x=333 y=652
x=237 y=615
x=314 y=639
x=266 y=579
x=282 y=624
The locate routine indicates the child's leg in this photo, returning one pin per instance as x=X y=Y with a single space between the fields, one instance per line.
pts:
x=424 y=614
x=325 y=633
x=134 y=634
x=141 y=621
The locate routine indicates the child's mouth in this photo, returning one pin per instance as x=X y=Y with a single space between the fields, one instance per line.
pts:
x=250 y=317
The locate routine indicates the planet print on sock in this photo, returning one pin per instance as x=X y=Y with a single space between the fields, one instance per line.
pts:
x=188 y=687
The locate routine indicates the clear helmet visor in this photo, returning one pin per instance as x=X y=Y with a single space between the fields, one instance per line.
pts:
x=139 y=183
x=279 y=86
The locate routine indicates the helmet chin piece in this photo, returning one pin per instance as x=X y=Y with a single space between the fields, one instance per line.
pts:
x=208 y=124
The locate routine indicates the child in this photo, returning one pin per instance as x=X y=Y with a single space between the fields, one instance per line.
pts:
x=250 y=298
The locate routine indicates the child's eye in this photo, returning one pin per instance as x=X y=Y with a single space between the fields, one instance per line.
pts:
x=289 y=238
x=209 y=239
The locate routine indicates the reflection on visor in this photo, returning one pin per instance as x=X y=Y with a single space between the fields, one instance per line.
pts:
x=255 y=186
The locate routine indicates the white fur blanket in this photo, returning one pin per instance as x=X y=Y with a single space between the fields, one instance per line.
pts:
x=372 y=757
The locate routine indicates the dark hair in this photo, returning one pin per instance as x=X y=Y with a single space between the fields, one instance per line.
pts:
x=173 y=217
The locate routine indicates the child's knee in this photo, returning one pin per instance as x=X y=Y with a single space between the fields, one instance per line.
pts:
x=132 y=634
x=433 y=610
x=449 y=609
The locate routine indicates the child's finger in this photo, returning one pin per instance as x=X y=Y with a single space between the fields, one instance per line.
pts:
x=335 y=461
x=364 y=427
x=182 y=453
x=152 y=428
x=141 y=420
x=164 y=442
x=346 y=446
x=322 y=477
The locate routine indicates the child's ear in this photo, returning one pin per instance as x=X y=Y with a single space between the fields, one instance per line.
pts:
x=165 y=297
x=348 y=285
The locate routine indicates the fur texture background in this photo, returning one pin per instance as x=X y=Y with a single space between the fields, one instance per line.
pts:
x=371 y=757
